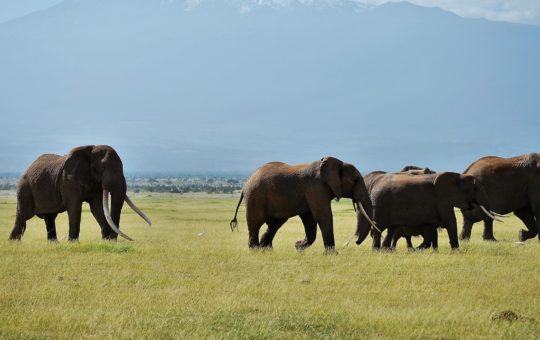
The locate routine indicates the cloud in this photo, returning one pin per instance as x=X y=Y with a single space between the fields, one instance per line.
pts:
x=518 y=11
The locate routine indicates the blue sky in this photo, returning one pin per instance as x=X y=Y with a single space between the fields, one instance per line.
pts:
x=520 y=11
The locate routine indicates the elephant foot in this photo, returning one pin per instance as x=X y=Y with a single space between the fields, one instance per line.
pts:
x=52 y=240
x=330 y=251
x=490 y=239
x=265 y=243
x=73 y=240
x=464 y=237
x=524 y=235
x=15 y=236
x=387 y=249
x=301 y=245
x=424 y=245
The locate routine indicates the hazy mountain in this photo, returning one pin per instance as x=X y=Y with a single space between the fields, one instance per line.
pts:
x=226 y=86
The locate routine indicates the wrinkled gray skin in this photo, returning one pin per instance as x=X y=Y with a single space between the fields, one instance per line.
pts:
x=278 y=191
x=407 y=200
x=54 y=184
x=512 y=185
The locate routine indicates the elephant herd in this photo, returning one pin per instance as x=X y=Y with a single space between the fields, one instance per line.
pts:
x=413 y=202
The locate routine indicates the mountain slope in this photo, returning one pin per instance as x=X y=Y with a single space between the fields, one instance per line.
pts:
x=227 y=86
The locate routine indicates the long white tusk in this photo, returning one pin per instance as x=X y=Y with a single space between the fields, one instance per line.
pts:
x=109 y=218
x=363 y=211
x=498 y=215
x=489 y=215
x=137 y=210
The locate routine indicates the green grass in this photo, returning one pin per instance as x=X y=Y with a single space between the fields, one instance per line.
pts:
x=189 y=276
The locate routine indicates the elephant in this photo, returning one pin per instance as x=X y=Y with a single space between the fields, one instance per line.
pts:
x=277 y=191
x=428 y=233
x=54 y=184
x=512 y=185
x=416 y=170
x=395 y=233
x=408 y=200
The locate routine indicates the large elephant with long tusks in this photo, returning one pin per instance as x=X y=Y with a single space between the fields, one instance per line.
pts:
x=54 y=184
x=278 y=191
x=405 y=200
x=512 y=185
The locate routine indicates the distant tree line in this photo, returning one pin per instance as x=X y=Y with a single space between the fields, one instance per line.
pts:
x=8 y=186
x=211 y=185
x=177 y=185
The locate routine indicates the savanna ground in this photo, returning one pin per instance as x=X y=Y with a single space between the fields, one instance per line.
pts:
x=189 y=276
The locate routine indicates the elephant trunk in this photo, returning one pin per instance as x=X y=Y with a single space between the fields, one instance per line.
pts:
x=362 y=226
x=117 y=202
x=364 y=219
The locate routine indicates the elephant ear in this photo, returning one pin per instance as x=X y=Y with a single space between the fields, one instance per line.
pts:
x=447 y=186
x=77 y=166
x=468 y=183
x=331 y=174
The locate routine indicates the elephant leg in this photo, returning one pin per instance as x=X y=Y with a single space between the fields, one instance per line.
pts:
x=387 y=242
x=25 y=211
x=96 y=207
x=255 y=220
x=327 y=231
x=376 y=244
x=429 y=234
x=395 y=240
x=527 y=217
x=273 y=227
x=409 y=242
x=323 y=216
x=435 y=238
x=449 y=222
x=466 y=229
x=310 y=226
x=434 y=235
x=50 y=223
x=74 y=215
x=488 y=231
x=426 y=243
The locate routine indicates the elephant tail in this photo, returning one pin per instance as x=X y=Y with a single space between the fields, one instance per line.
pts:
x=234 y=221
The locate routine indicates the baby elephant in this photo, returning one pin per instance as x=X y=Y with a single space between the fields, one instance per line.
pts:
x=428 y=233
x=278 y=191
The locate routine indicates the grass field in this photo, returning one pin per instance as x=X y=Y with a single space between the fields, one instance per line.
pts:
x=189 y=276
